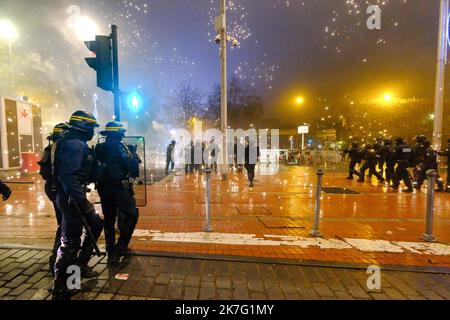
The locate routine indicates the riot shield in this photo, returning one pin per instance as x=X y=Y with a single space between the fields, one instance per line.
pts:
x=140 y=184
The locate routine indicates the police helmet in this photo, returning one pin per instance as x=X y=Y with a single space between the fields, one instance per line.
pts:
x=368 y=146
x=426 y=143
x=355 y=144
x=83 y=121
x=421 y=138
x=58 y=131
x=399 y=140
x=388 y=142
x=113 y=128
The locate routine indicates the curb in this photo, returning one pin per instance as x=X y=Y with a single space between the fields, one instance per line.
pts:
x=242 y=259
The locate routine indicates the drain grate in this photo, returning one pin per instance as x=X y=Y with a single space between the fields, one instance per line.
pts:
x=338 y=190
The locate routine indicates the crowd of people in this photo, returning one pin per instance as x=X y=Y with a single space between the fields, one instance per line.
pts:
x=201 y=155
x=391 y=162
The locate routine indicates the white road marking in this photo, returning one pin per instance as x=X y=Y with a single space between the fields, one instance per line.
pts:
x=365 y=245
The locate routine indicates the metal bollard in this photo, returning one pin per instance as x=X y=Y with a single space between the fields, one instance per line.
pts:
x=208 y=227
x=315 y=230
x=428 y=236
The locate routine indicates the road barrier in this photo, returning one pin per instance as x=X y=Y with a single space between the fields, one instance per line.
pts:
x=428 y=236
x=208 y=227
x=315 y=230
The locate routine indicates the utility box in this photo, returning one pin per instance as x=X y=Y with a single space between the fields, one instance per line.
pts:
x=20 y=134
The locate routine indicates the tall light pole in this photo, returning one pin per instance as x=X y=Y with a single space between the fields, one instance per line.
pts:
x=220 y=25
x=440 y=74
x=8 y=32
x=224 y=80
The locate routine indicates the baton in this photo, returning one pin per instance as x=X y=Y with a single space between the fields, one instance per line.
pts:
x=91 y=237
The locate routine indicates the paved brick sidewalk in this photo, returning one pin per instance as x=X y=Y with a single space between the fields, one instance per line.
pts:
x=277 y=211
x=24 y=275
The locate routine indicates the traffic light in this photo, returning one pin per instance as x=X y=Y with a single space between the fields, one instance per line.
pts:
x=102 y=62
x=132 y=101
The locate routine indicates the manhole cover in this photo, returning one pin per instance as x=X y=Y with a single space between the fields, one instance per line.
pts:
x=338 y=190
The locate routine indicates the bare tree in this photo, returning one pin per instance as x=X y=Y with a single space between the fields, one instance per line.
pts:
x=244 y=104
x=212 y=114
x=186 y=103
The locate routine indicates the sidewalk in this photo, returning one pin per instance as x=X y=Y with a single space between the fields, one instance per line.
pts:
x=369 y=225
x=24 y=276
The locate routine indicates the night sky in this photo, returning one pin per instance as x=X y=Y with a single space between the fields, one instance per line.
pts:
x=316 y=48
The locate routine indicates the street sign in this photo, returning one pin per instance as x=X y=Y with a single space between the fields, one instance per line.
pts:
x=303 y=129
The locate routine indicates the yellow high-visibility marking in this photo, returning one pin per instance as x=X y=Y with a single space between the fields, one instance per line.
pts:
x=82 y=118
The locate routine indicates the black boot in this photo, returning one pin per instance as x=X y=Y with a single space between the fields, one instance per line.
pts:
x=123 y=252
x=60 y=290
x=65 y=294
x=113 y=258
x=88 y=273
x=51 y=264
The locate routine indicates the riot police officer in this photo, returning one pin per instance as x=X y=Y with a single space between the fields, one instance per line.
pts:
x=429 y=163
x=198 y=156
x=170 y=161
x=238 y=154
x=213 y=153
x=379 y=149
x=446 y=154
x=419 y=149
x=388 y=155
x=74 y=171
x=252 y=154
x=189 y=158
x=370 y=158
x=355 y=158
x=403 y=155
x=119 y=165
x=46 y=171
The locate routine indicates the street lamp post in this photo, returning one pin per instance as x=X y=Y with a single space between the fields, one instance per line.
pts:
x=440 y=69
x=223 y=38
x=224 y=95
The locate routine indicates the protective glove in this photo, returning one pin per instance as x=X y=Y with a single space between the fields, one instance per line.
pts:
x=132 y=149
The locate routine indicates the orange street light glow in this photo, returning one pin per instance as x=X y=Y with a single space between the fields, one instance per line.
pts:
x=388 y=97
x=299 y=100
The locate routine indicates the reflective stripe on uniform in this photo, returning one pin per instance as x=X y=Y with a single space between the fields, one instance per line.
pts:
x=113 y=128
x=79 y=118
